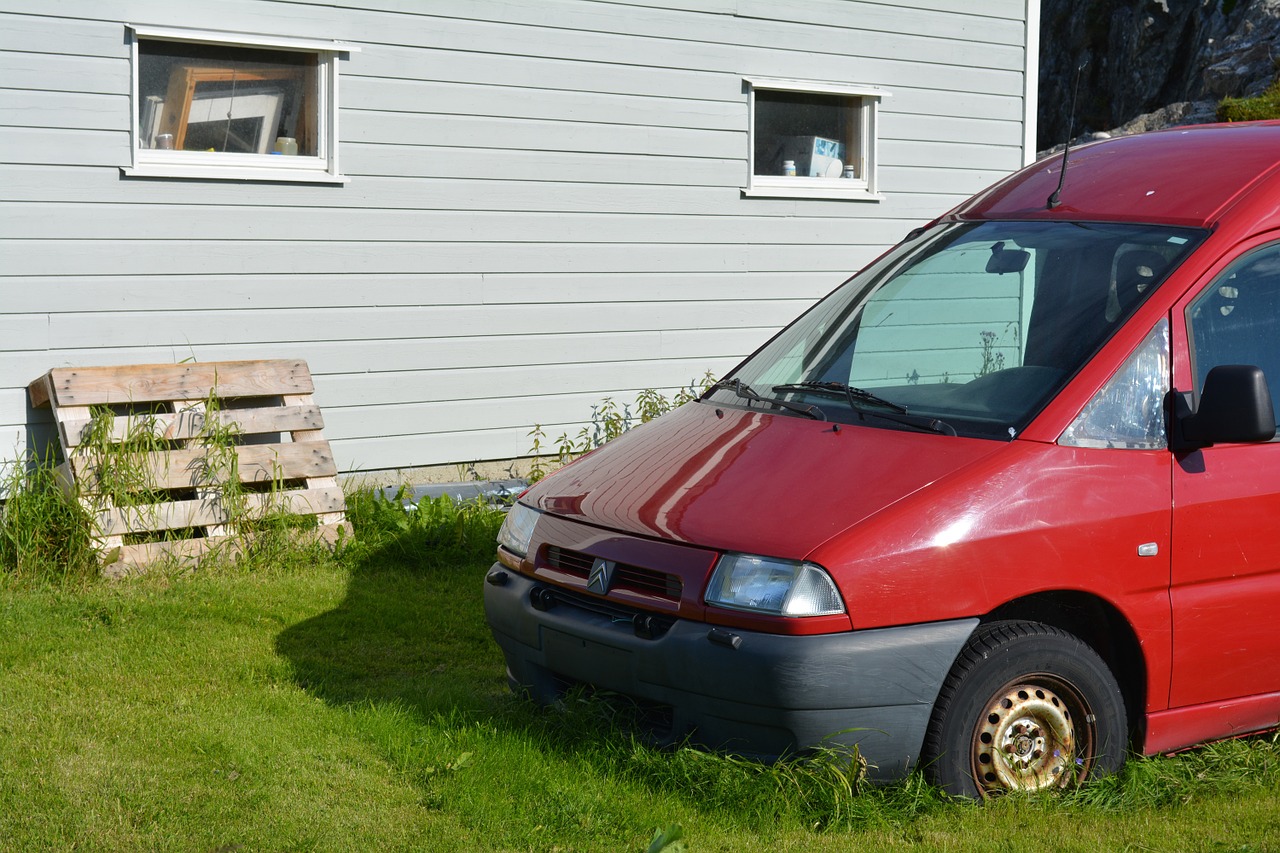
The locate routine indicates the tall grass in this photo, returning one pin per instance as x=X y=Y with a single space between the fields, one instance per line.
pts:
x=44 y=533
x=356 y=701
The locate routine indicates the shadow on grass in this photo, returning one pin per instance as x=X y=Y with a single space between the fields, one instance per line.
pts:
x=410 y=630
x=411 y=635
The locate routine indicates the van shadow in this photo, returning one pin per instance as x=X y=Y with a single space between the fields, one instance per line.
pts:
x=412 y=635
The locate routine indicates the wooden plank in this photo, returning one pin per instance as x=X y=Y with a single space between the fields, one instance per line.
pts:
x=88 y=386
x=40 y=392
x=62 y=36
x=357 y=257
x=64 y=72
x=133 y=559
x=178 y=515
x=191 y=467
x=55 y=147
x=166 y=222
x=587 y=137
x=547 y=104
x=189 y=424
x=68 y=110
x=370 y=325
x=143 y=295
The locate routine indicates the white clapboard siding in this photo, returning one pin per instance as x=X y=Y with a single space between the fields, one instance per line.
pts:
x=544 y=205
x=915 y=193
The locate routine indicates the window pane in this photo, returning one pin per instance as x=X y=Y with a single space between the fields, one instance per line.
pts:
x=202 y=97
x=975 y=324
x=815 y=132
x=1237 y=319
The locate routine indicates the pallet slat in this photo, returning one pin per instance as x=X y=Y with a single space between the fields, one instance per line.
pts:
x=177 y=405
x=190 y=423
x=193 y=468
x=127 y=559
x=152 y=383
x=179 y=515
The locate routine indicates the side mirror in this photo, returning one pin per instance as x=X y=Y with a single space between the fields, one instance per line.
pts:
x=1235 y=407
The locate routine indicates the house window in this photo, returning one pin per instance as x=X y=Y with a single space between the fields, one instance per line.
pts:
x=814 y=140
x=216 y=105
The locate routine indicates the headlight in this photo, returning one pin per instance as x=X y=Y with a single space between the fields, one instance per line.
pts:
x=517 y=529
x=780 y=587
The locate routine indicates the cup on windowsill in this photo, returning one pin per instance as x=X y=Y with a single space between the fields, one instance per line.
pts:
x=286 y=145
x=164 y=142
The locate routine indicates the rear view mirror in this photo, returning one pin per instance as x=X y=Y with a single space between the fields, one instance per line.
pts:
x=1235 y=407
x=1004 y=260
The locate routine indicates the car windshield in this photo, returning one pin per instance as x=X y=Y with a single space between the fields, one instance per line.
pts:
x=969 y=329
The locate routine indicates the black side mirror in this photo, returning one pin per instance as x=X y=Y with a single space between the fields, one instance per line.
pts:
x=1235 y=407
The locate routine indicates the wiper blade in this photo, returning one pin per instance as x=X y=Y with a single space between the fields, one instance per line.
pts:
x=746 y=392
x=854 y=395
x=896 y=413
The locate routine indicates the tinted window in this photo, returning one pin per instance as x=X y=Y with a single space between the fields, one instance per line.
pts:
x=1237 y=319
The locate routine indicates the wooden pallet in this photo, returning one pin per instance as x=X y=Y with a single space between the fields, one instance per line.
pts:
x=181 y=509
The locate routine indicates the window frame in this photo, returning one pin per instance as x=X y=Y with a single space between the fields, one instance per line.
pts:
x=865 y=188
x=321 y=168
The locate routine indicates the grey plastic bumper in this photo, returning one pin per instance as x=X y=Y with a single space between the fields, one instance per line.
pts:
x=764 y=695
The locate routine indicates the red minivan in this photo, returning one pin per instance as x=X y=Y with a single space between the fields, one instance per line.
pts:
x=1003 y=505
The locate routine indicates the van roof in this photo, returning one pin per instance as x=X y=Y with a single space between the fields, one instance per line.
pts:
x=1180 y=176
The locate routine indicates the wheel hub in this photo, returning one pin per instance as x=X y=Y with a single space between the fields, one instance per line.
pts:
x=1025 y=741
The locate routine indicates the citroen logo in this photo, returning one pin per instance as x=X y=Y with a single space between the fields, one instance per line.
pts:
x=601 y=576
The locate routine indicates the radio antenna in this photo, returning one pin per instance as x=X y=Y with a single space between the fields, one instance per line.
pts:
x=1054 y=199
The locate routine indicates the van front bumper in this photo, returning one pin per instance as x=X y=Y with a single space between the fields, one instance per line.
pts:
x=750 y=693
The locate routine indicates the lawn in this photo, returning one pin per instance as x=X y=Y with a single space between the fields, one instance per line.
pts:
x=359 y=703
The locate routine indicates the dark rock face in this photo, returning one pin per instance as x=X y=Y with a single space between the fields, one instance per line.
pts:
x=1150 y=63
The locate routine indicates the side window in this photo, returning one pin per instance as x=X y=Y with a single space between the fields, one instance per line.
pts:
x=226 y=106
x=1237 y=319
x=811 y=139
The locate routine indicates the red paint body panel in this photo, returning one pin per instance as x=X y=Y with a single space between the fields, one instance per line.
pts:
x=924 y=528
x=1181 y=176
x=693 y=476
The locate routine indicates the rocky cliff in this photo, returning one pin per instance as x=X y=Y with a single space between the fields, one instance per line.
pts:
x=1150 y=63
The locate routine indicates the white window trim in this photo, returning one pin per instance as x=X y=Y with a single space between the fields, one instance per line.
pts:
x=322 y=168
x=857 y=189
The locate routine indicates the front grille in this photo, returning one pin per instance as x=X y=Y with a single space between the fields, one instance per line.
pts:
x=625 y=576
x=570 y=562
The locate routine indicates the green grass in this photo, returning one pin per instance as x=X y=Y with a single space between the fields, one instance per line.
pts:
x=1263 y=106
x=359 y=703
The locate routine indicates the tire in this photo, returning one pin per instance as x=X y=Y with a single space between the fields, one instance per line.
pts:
x=1026 y=707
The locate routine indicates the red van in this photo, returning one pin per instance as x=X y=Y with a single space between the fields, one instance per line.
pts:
x=1003 y=505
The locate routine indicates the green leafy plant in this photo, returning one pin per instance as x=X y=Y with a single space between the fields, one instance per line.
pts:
x=44 y=532
x=992 y=358
x=1262 y=106
x=608 y=421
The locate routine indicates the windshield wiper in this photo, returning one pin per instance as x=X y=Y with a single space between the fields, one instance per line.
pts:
x=856 y=396
x=746 y=392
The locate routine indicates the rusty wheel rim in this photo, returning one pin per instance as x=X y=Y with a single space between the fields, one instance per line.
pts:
x=1035 y=733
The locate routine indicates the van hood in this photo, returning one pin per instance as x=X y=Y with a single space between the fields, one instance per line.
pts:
x=749 y=481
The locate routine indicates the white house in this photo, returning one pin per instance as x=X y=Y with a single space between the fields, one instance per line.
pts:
x=483 y=215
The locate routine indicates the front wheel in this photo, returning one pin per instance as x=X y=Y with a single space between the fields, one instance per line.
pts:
x=1025 y=707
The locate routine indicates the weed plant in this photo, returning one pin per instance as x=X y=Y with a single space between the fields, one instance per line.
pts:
x=357 y=701
x=44 y=533
x=608 y=421
x=1263 y=106
x=393 y=532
